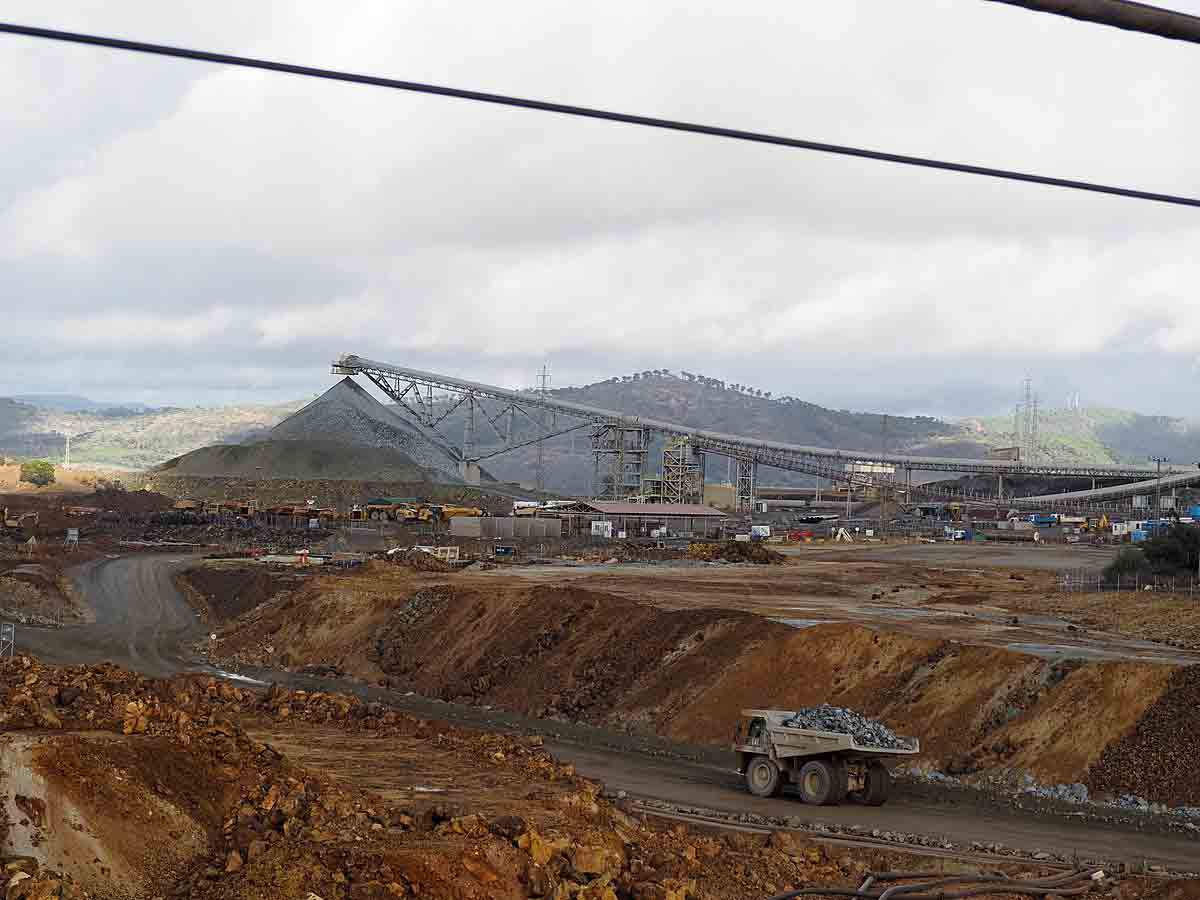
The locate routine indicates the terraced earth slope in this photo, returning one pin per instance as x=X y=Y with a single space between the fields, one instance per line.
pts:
x=565 y=651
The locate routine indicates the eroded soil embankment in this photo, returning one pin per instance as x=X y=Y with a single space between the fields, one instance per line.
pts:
x=561 y=651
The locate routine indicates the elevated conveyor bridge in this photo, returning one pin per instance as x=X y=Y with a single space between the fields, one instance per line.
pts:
x=520 y=418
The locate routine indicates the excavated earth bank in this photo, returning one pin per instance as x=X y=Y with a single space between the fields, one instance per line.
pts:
x=568 y=652
x=117 y=786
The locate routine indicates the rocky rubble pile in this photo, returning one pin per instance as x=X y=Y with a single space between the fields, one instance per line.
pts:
x=23 y=878
x=1154 y=760
x=420 y=561
x=866 y=732
x=736 y=552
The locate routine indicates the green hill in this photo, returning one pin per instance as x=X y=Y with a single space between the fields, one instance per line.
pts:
x=1099 y=434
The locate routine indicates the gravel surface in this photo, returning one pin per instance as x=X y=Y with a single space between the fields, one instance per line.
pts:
x=1157 y=758
x=866 y=731
x=348 y=414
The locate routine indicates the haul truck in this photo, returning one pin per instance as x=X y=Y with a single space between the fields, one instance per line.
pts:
x=825 y=766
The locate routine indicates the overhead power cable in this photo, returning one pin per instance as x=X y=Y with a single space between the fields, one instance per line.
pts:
x=589 y=113
x=1121 y=14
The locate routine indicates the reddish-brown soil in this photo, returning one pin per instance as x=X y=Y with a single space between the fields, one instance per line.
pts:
x=686 y=673
x=551 y=651
x=228 y=590
x=172 y=797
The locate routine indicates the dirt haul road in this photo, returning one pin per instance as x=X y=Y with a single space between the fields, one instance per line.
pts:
x=143 y=622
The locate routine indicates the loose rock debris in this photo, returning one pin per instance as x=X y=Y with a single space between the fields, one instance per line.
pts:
x=867 y=732
x=736 y=552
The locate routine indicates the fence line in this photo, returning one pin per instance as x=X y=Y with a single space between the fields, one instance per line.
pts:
x=1081 y=581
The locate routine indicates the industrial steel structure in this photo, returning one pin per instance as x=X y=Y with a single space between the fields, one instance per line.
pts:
x=621 y=441
x=682 y=472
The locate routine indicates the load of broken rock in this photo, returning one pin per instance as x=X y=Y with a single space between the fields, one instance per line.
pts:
x=866 y=732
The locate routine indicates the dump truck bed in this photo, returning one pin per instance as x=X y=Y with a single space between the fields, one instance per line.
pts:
x=789 y=742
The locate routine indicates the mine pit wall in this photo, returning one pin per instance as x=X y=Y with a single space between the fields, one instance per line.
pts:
x=584 y=655
x=556 y=651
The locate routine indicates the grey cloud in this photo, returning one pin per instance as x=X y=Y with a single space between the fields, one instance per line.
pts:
x=290 y=220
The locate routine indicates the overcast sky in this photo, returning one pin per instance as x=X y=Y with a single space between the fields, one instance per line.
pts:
x=175 y=232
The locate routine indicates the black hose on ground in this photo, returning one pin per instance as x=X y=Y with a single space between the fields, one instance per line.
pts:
x=927 y=886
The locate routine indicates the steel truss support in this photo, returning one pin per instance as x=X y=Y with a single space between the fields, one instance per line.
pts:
x=422 y=409
x=8 y=639
x=682 y=472
x=412 y=390
x=619 y=452
x=744 y=486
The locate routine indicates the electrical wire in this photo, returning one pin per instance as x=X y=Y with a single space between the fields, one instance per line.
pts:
x=590 y=113
x=1140 y=17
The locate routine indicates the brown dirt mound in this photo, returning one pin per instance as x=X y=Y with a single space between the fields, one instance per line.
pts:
x=736 y=552
x=1157 y=758
x=420 y=561
x=229 y=591
x=545 y=650
x=1066 y=732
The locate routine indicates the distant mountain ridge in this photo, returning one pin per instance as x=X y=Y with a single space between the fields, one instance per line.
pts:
x=76 y=403
x=146 y=439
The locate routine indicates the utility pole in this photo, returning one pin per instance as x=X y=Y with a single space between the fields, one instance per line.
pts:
x=67 y=459
x=882 y=487
x=540 y=470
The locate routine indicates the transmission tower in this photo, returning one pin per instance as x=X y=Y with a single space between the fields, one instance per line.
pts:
x=1025 y=422
x=882 y=487
x=540 y=465
x=1035 y=444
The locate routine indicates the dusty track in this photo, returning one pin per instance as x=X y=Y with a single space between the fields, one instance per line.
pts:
x=143 y=622
x=692 y=784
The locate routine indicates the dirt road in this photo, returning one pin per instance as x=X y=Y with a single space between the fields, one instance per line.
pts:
x=368 y=763
x=1042 y=557
x=143 y=622
x=710 y=787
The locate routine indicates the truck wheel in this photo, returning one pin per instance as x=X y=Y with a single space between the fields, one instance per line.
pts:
x=878 y=784
x=819 y=782
x=762 y=777
x=841 y=781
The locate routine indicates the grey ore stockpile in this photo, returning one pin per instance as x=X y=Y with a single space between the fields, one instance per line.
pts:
x=347 y=414
x=866 y=732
